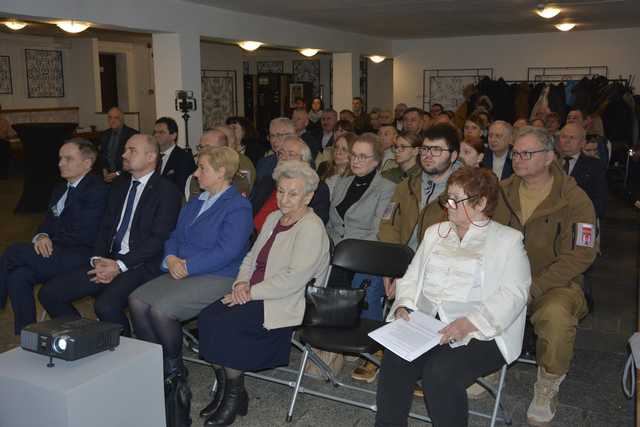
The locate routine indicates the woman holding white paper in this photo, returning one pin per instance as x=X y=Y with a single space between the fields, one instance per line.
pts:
x=474 y=275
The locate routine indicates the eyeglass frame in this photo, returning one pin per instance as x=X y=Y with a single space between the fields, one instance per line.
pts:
x=360 y=157
x=429 y=149
x=402 y=148
x=528 y=155
x=445 y=201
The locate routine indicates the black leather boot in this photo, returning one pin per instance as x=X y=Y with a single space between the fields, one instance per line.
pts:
x=235 y=402
x=177 y=394
x=212 y=407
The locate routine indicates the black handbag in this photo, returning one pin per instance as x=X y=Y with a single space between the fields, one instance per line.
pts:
x=333 y=307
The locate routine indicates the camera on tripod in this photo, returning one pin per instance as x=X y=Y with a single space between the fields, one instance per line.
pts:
x=185 y=101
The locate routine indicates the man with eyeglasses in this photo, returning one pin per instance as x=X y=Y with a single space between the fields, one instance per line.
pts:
x=405 y=150
x=279 y=129
x=559 y=226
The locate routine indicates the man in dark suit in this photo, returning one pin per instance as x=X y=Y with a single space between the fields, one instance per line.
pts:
x=279 y=129
x=64 y=240
x=589 y=172
x=498 y=156
x=176 y=164
x=142 y=210
x=112 y=143
x=313 y=139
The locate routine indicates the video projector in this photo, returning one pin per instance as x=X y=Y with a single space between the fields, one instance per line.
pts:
x=70 y=338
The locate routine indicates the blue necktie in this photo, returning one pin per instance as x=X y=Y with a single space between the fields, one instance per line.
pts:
x=70 y=189
x=126 y=219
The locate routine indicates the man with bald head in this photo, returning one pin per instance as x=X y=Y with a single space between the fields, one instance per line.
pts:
x=112 y=143
x=498 y=156
x=263 y=197
x=589 y=173
x=141 y=213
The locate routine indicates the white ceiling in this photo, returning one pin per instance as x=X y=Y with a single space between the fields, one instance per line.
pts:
x=401 y=19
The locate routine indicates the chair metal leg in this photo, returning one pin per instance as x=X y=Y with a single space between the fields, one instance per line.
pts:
x=498 y=404
x=303 y=364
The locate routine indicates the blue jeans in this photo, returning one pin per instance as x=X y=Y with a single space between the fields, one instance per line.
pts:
x=375 y=295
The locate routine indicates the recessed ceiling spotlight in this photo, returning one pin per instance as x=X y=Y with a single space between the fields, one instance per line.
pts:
x=15 y=25
x=567 y=26
x=309 y=52
x=377 y=58
x=73 y=27
x=547 y=12
x=250 y=45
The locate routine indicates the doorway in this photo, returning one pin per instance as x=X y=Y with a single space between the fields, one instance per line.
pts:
x=108 y=81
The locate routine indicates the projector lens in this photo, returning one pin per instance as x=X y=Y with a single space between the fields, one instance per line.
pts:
x=60 y=344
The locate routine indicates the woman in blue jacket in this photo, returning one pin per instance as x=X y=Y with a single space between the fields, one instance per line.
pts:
x=202 y=258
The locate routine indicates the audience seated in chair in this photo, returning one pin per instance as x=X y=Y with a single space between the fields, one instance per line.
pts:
x=201 y=258
x=497 y=156
x=473 y=274
x=338 y=166
x=250 y=328
x=141 y=213
x=264 y=196
x=560 y=224
x=112 y=142
x=279 y=129
x=64 y=241
x=176 y=163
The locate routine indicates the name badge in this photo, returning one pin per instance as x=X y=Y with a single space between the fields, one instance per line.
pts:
x=388 y=211
x=585 y=235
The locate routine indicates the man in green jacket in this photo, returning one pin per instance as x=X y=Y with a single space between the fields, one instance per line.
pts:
x=559 y=225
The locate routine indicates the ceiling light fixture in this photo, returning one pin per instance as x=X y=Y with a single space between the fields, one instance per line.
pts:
x=250 y=46
x=547 y=12
x=567 y=26
x=15 y=25
x=73 y=27
x=377 y=58
x=309 y=52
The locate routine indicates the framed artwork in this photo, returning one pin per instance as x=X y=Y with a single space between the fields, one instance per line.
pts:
x=445 y=86
x=270 y=67
x=45 y=78
x=296 y=90
x=219 y=97
x=6 y=86
x=308 y=71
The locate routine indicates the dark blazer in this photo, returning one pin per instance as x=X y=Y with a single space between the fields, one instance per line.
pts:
x=591 y=176
x=216 y=241
x=153 y=221
x=78 y=225
x=320 y=202
x=103 y=140
x=265 y=166
x=179 y=166
x=507 y=170
x=313 y=139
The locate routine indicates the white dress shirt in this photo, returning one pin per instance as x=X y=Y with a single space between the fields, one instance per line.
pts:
x=165 y=157
x=498 y=163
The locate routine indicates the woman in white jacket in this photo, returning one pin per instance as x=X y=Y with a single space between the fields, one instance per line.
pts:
x=474 y=275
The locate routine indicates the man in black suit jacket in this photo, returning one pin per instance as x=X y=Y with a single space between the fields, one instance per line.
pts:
x=313 y=139
x=141 y=213
x=176 y=164
x=112 y=143
x=498 y=156
x=589 y=173
x=64 y=240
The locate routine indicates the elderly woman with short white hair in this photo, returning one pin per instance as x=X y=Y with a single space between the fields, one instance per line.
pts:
x=250 y=328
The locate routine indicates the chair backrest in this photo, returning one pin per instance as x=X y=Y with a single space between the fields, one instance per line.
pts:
x=371 y=257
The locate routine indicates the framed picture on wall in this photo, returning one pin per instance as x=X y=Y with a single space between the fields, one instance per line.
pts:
x=296 y=90
x=6 y=86
x=45 y=78
x=308 y=71
x=270 y=67
x=219 y=97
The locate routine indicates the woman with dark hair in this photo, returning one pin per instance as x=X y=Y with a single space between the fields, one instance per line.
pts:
x=474 y=275
x=247 y=136
x=315 y=114
x=475 y=127
x=472 y=152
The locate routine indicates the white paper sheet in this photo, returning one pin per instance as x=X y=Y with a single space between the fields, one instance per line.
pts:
x=411 y=339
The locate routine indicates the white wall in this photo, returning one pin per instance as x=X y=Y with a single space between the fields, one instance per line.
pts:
x=82 y=76
x=380 y=85
x=510 y=56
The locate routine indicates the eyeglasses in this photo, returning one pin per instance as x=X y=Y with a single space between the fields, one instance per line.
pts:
x=434 y=150
x=397 y=148
x=526 y=155
x=279 y=135
x=451 y=203
x=360 y=157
